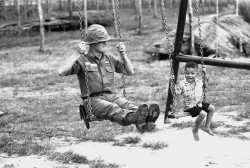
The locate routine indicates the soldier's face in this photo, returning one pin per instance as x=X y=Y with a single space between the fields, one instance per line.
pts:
x=100 y=47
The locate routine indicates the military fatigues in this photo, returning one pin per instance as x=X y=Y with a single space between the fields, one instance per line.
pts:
x=106 y=104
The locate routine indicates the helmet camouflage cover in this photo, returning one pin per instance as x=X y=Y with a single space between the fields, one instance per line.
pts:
x=96 y=33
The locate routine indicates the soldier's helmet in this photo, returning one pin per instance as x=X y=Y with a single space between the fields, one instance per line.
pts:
x=96 y=33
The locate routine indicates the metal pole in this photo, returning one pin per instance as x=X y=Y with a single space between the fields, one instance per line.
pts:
x=177 y=49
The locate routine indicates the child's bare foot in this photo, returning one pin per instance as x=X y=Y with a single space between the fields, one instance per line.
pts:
x=195 y=135
x=209 y=131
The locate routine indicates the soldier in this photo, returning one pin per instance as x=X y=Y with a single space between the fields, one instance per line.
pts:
x=100 y=67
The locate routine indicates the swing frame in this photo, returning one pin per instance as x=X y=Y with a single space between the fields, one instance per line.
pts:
x=177 y=58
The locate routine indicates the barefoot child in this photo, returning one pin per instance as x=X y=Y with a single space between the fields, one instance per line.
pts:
x=191 y=88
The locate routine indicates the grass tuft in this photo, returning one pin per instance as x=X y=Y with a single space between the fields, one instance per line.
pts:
x=155 y=146
x=132 y=140
x=68 y=157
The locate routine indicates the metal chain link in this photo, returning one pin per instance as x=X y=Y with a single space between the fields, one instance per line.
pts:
x=120 y=37
x=204 y=77
x=89 y=106
x=1 y=5
x=80 y=20
x=170 y=51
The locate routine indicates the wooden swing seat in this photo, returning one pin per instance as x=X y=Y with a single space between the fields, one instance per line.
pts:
x=178 y=114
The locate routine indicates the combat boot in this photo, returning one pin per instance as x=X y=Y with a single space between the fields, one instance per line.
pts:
x=153 y=114
x=139 y=118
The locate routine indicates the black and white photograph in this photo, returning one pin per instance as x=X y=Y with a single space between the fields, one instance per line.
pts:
x=124 y=83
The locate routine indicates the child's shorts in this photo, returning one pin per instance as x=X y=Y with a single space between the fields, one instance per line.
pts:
x=195 y=111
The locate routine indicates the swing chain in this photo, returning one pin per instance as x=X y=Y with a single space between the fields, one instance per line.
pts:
x=80 y=20
x=204 y=77
x=1 y=5
x=89 y=106
x=170 y=51
x=119 y=34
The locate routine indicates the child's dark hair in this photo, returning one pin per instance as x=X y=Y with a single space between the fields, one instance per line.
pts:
x=191 y=65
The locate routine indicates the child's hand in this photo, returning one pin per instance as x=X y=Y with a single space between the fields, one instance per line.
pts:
x=121 y=48
x=82 y=47
x=203 y=69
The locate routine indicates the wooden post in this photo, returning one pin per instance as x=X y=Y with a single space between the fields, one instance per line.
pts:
x=177 y=49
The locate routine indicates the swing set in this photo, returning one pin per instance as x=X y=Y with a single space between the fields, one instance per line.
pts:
x=174 y=58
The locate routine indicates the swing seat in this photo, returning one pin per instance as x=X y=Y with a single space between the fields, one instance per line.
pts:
x=87 y=119
x=179 y=114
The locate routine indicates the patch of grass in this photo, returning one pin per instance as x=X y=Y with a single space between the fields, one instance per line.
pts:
x=183 y=125
x=100 y=164
x=238 y=130
x=68 y=157
x=119 y=143
x=155 y=146
x=9 y=166
x=28 y=146
x=132 y=140
x=217 y=124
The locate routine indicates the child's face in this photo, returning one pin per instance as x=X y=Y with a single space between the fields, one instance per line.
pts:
x=191 y=74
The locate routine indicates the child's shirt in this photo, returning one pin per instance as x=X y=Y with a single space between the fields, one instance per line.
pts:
x=192 y=93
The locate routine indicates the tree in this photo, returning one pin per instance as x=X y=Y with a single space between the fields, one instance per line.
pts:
x=140 y=17
x=237 y=7
x=150 y=5
x=115 y=18
x=155 y=9
x=136 y=9
x=3 y=10
x=41 y=19
x=70 y=9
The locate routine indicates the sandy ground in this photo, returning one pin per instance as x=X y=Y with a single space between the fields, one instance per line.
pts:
x=182 y=151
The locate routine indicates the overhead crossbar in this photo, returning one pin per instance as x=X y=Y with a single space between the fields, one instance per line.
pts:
x=214 y=61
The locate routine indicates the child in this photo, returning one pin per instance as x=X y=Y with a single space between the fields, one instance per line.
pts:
x=95 y=69
x=191 y=88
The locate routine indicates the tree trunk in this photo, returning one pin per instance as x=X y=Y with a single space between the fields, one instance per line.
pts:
x=85 y=16
x=3 y=10
x=115 y=17
x=237 y=7
x=18 y=14
x=155 y=9
x=150 y=5
x=50 y=7
x=70 y=10
x=97 y=5
x=202 y=7
x=60 y=5
x=136 y=9
x=107 y=4
x=191 y=42
x=140 y=17
x=40 y=11
x=25 y=9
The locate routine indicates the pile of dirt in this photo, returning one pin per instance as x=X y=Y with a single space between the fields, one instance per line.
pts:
x=230 y=33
